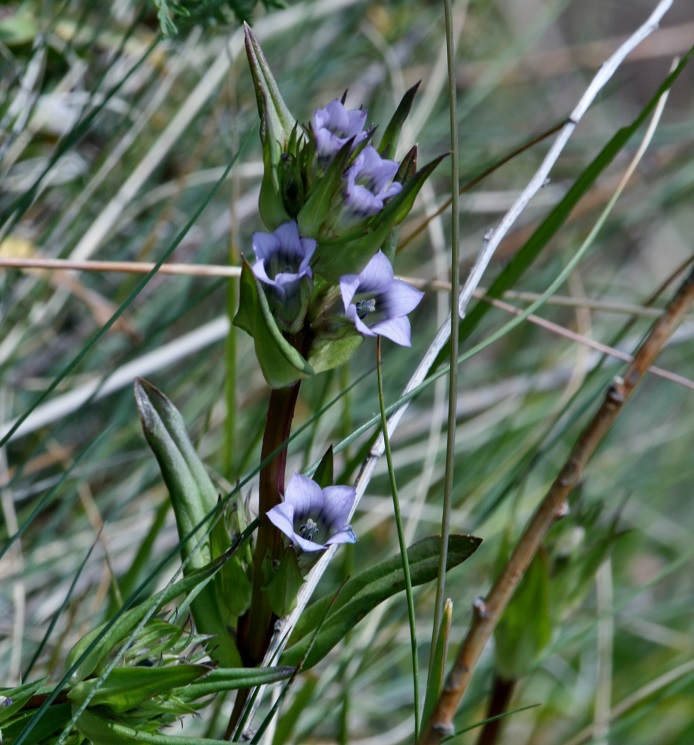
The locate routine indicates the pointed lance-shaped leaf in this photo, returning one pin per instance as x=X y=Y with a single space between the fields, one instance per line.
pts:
x=389 y=141
x=276 y=125
x=363 y=593
x=193 y=498
x=319 y=207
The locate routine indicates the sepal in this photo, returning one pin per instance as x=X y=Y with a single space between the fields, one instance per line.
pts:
x=352 y=250
x=283 y=583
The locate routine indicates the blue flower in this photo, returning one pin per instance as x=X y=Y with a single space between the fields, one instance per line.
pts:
x=370 y=183
x=333 y=126
x=314 y=518
x=377 y=303
x=283 y=264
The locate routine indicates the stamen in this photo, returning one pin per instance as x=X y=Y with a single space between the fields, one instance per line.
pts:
x=308 y=529
x=364 y=307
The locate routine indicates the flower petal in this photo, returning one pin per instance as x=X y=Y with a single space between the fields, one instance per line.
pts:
x=400 y=299
x=397 y=330
x=337 y=504
x=304 y=495
x=346 y=535
x=282 y=517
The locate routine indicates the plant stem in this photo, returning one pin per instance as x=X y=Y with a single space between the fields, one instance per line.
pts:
x=554 y=504
x=498 y=705
x=255 y=627
x=455 y=323
x=401 y=540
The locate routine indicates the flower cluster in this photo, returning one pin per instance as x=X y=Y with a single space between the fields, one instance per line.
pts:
x=332 y=201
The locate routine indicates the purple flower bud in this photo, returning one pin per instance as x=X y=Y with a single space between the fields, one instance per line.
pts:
x=283 y=257
x=333 y=126
x=377 y=303
x=370 y=183
x=314 y=518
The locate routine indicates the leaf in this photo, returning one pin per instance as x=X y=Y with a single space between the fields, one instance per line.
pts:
x=193 y=498
x=127 y=687
x=276 y=125
x=323 y=475
x=232 y=679
x=90 y=651
x=52 y=722
x=525 y=628
x=282 y=583
x=329 y=352
x=319 y=206
x=361 y=594
x=437 y=667
x=389 y=141
x=280 y=363
x=13 y=699
x=103 y=731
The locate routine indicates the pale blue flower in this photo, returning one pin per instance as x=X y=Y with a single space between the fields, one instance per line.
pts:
x=283 y=257
x=377 y=303
x=283 y=265
x=370 y=183
x=314 y=518
x=334 y=125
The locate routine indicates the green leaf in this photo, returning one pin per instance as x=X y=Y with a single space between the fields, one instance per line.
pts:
x=323 y=475
x=361 y=594
x=329 y=352
x=525 y=628
x=319 y=207
x=103 y=731
x=276 y=124
x=437 y=667
x=52 y=722
x=13 y=699
x=193 y=498
x=91 y=650
x=389 y=141
x=280 y=363
x=127 y=687
x=232 y=679
x=283 y=583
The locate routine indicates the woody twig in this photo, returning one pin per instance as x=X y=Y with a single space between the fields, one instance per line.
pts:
x=487 y=612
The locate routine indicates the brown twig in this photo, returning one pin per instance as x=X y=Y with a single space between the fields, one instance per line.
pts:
x=488 y=611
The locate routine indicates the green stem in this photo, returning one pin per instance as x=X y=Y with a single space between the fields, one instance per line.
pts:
x=401 y=540
x=455 y=321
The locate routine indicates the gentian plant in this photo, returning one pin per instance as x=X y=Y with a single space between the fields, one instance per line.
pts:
x=315 y=283
x=322 y=281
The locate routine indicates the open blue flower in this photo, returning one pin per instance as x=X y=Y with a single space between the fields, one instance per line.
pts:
x=370 y=183
x=314 y=518
x=377 y=303
x=283 y=264
x=334 y=125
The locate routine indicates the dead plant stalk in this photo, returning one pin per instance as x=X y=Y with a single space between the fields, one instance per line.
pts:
x=487 y=612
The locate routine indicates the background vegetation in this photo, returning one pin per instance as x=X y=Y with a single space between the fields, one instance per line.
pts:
x=112 y=139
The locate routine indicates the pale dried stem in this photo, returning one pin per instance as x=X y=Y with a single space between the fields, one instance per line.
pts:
x=488 y=611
